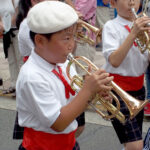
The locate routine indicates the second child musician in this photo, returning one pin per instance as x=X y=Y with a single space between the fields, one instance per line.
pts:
x=127 y=64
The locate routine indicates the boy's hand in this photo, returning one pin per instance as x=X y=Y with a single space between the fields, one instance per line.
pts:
x=98 y=81
x=140 y=25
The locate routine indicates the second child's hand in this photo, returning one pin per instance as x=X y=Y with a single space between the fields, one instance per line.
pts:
x=141 y=25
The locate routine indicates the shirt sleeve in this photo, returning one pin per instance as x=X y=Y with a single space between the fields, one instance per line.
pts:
x=42 y=102
x=110 y=39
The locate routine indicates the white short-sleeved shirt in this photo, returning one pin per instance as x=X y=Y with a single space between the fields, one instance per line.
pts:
x=24 y=41
x=114 y=34
x=7 y=10
x=41 y=95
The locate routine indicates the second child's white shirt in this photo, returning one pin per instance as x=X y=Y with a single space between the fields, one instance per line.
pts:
x=114 y=34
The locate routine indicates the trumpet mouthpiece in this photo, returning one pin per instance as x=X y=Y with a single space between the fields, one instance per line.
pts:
x=148 y=25
x=132 y=9
x=70 y=57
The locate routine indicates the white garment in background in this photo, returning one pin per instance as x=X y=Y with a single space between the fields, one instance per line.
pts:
x=7 y=10
x=102 y=15
x=14 y=59
x=114 y=34
x=24 y=41
x=41 y=95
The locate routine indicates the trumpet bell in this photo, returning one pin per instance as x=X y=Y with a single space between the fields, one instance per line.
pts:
x=134 y=105
x=85 y=31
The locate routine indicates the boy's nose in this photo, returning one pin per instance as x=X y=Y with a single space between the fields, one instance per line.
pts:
x=71 y=45
x=132 y=2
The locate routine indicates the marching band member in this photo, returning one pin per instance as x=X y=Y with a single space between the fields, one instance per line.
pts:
x=25 y=48
x=127 y=64
x=46 y=104
x=8 y=10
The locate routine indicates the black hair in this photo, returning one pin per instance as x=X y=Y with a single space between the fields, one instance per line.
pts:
x=47 y=36
x=23 y=8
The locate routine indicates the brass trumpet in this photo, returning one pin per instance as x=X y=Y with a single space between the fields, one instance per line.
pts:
x=134 y=105
x=85 y=34
x=143 y=39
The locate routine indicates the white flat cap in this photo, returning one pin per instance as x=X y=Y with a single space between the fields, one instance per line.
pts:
x=51 y=16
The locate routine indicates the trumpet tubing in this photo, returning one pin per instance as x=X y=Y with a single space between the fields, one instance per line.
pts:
x=134 y=105
x=86 y=35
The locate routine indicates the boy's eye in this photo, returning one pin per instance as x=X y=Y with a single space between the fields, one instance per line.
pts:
x=67 y=38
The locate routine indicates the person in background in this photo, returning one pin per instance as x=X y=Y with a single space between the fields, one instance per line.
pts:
x=102 y=15
x=127 y=64
x=8 y=30
x=50 y=105
x=102 y=12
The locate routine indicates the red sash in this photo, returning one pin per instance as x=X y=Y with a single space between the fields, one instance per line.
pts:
x=129 y=83
x=37 y=140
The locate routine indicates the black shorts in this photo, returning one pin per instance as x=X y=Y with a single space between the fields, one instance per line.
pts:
x=132 y=129
x=81 y=119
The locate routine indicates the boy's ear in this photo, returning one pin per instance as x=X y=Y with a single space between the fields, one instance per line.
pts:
x=39 y=39
x=113 y=3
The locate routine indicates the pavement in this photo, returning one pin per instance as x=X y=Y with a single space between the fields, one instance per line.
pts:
x=98 y=133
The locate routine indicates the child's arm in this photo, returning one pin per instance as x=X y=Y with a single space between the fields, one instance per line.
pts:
x=117 y=56
x=93 y=83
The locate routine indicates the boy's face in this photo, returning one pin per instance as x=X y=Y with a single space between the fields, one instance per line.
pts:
x=124 y=7
x=60 y=44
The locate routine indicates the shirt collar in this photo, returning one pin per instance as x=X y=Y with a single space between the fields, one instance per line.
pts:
x=42 y=63
x=123 y=21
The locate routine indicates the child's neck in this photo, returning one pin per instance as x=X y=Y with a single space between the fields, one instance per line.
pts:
x=129 y=19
